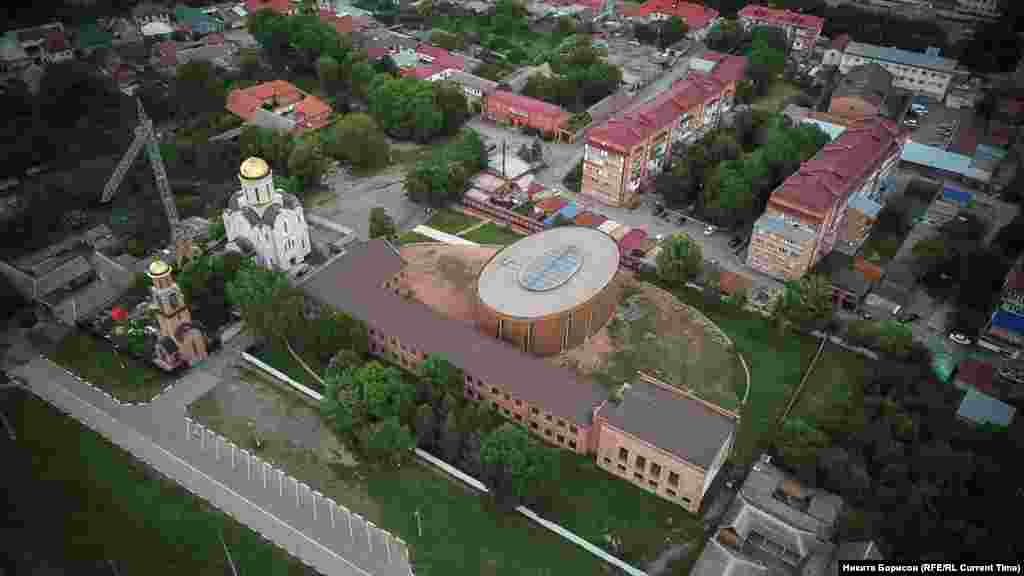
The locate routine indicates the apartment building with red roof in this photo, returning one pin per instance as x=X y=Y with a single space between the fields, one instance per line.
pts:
x=518 y=110
x=625 y=152
x=280 y=105
x=802 y=30
x=807 y=213
x=283 y=7
x=699 y=19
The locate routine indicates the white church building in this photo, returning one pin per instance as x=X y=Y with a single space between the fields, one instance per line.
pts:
x=264 y=221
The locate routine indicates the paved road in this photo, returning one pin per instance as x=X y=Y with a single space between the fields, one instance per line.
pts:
x=352 y=199
x=286 y=513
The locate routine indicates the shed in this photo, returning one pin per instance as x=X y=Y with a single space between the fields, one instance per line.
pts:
x=619 y=233
x=981 y=408
x=608 y=226
x=973 y=374
x=551 y=205
x=633 y=240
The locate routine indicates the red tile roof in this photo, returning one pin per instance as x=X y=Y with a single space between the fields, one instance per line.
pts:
x=625 y=132
x=343 y=24
x=1015 y=279
x=977 y=374
x=215 y=38
x=279 y=6
x=728 y=68
x=839 y=42
x=56 y=41
x=551 y=205
x=441 y=57
x=632 y=240
x=526 y=104
x=422 y=71
x=167 y=53
x=534 y=189
x=836 y=170
x=781 y=17
x=695 y=15
x=310 y=111
x=377 y=52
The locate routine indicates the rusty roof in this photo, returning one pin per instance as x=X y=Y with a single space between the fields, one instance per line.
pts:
x=352 y=284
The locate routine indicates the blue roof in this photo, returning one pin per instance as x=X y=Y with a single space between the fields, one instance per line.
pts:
x=569 y=210
x=772 y=224
x=984 y=409
x=919 y=99
x=954 y=193
x=932 y=157
x=897 y=56
x=1008 y=321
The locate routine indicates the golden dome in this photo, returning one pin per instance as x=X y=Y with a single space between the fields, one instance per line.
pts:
x=254 y=168
x=159 y=268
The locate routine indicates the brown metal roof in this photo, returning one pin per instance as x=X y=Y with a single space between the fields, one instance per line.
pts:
x=351 y=284
x=671 y=421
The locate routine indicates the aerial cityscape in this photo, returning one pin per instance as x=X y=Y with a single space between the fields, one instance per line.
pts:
x=512 y=287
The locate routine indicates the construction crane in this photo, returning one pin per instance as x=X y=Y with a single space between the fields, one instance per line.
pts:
x=146 y=138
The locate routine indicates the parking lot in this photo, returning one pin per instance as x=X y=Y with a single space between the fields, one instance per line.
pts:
x=941 y=126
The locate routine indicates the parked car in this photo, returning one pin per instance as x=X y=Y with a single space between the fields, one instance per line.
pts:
x=735 y=242
x=865 y=315
x=959 y=338
x=709 y=230
x=909 y=318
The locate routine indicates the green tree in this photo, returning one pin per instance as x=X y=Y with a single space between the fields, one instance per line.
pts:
x=362 y=75
x=381 y=224
x=389 y=442
x=806 y=302
x=680 y=259
x=330 y=74
x=271 y=306
x=764 y=64
x=340 y=405
x=307 y=163
x=357 y=140
x=384 y=391
x=799 y=442
x=426 y=426
x=443 y=376
x=515 y=461
x=451 y=101
x=406 y=108
x=443 y=177
x=730 y=195
x=274 y=147
x=198 y=89
x=451 y=439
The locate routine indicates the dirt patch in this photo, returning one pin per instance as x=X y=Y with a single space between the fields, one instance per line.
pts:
x=660 y=335
x=444 y=277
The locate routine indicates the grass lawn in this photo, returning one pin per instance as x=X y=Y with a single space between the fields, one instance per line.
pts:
x=462 y=532
x=126 y=378
x=451 y=221
x=281 y=360
x=837 y=382
x=411 y=237
x=491 y=233
x=107 y=504
x=593 y=503
x=777 y=362
x=777 y=93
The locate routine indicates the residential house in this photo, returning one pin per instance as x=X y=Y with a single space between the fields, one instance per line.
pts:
x=168 y=55
x=474 y=87
x=90 y=37
x=149 y=12
x=834 y=53
x=518 y=110
x=806 y=213
x=1005 y=330
x=976 y=374
x=664 y=440
x=865 y=91
x=233 y=16
x=13 y=58
x=926 y=73
x=279 y=105
x=699 y=19
x=775 y=526
x=549 y=401
x=58 y=49
x=849 y=285
x=974 y=168
x=283 y=7
x=197 y=22
x=625 y=152
x=39 y=45
x=802 y=30
x=981 y=409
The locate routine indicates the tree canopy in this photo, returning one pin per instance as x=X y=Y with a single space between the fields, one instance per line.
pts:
x=514 y=460
x=442 y=178
x=412 y=109
x=806 y=302
x=680 y=259
x=356 y=140
x=381 y=224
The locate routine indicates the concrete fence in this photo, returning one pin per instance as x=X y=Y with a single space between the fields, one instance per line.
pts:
x=329 y=529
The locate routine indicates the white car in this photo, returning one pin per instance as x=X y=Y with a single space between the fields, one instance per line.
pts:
x=709 y=230
x=959 y=338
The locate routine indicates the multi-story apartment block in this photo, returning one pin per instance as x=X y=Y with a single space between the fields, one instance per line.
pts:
x=865 y=92
x=802 y=30
x=684 y=438
x=1005 y=330
x=626 y=152
x=807 y=214
x=925 y=73
x=519 y=110
x=699 y=19
x=983 y=8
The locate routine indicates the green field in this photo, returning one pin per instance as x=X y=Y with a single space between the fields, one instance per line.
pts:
x=96 y=361
x=111 y=506
x=491 y=233
x=451 y=221
x=836 y=385
x=777 y=362
x=411 y=237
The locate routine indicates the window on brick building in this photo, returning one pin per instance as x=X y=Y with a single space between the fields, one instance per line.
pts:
x=547 y=417
x=572 y=444
x=534 y=411
x=623 y=454
x=508 y=396
x=519 y=417
x=494 y=390
x=653 y=483
x=561 y=439
x=673 y=479
x=671 y=492
x=574 y=429
x=622 y=468
x=519 y=402
x=641 y=462
x=534 y=425
x=655 y=469
x=547 y=432
x=638 y=476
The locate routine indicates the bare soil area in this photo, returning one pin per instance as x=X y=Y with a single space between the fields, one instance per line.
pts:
x=444 y=277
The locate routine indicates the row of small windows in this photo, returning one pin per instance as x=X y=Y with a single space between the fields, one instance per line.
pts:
x=551 y=434
x=649 y=472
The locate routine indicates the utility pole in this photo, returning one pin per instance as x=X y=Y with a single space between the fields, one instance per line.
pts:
x=419 y=525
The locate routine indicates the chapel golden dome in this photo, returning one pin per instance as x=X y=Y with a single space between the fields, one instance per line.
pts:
x=159 y=268
x=254 y=168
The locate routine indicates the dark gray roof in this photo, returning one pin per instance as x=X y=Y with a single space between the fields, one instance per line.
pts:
x=804 y=527
x=717 y=560
x=870 y=82
x=838 y=268
x=671 y=421
x=352 y=284
x=462 y=78
x=269 y=217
